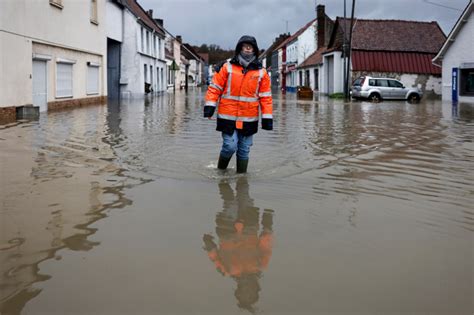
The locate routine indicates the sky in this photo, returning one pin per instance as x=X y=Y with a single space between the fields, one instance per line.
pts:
x=222 y=22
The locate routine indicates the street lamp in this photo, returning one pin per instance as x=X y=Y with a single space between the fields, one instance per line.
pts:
x=174 y=67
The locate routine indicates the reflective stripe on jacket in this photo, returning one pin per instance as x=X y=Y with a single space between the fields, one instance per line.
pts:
x=240 y=96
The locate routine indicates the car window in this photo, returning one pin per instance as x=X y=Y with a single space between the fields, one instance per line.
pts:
x=382 y=83
x=371 y=82
x=395 y=84
x=357 y=82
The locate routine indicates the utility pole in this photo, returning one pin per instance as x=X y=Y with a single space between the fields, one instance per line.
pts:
x=344 y=50
x=350 y=48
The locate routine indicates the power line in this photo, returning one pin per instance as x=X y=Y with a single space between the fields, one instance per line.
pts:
x=441 y=5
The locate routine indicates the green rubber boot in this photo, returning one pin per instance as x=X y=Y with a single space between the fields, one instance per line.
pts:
x=223 y=162
x=242 y=166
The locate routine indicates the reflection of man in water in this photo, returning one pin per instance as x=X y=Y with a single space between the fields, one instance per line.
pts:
x=242 y=252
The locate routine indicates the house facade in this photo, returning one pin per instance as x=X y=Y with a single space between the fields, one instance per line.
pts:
x=457 y=60
x=143 y=64
x=60 y=64
x=385 y=48
x=311 y=69
x=300 y=46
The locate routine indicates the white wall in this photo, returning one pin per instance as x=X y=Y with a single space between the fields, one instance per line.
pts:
x=307 y=43
x=15 y=69
x=79 y=69
x=24 y=22
x=131 y=80
x=69 y=26
x=114 y=21
x=460 y=51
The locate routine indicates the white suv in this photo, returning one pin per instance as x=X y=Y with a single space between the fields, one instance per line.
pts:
x=377 y=89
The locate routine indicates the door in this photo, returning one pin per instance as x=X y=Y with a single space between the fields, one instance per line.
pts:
x=384 y=88
x=113 y=69
x=398 y=90
x=40 y=95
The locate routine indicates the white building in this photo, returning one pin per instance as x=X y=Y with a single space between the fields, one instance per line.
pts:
x=457 y=59
x=143 y=64
x=300 y=46
x=53 y=54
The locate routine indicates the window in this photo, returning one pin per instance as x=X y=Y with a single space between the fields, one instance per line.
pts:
x=154 y=46
x=395 y=84
x=142 y=32
x=466 y=83
x=151 y=76
x=64 y=79
x=92 y=78
x=147 y=42
x=56 y=3
x=382 y=83
x=372 y=82
x=94 y=18
x=145 y=73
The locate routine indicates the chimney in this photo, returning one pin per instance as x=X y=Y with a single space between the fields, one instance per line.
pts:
x=150 y=13
x=179 y=38
x=159 y=22
x=321 y=25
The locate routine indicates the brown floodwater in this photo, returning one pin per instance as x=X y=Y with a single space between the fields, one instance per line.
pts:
x=346 y=208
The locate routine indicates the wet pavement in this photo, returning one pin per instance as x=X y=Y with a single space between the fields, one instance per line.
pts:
x=346 y=208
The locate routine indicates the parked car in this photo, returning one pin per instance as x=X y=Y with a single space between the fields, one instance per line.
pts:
x=377 y=89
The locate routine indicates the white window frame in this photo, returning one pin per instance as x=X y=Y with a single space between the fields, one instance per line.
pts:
x=63 y=61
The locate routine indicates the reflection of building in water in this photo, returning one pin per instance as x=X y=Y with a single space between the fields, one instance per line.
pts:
x=244 y=247
x=53 y=191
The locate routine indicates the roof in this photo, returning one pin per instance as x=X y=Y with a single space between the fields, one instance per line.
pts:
x=205 y=57
x=295 y=35
x=455 y=31
x=138 y=11
x=387 y=61
x=190 y=53
x=390 y=35
x=314 y=59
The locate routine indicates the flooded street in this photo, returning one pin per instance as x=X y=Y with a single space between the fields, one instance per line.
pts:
x=346 y=208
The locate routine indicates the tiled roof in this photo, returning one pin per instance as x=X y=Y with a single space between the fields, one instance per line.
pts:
x=388 y=61
x=295 y=35
x=136 y=9
x=314 y=59
x=391 y=35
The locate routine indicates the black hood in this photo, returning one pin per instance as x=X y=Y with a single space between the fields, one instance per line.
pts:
x=249 y=40
x=255 y=64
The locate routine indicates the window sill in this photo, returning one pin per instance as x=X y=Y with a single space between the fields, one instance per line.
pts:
x=94 y=22
x=63 y=97
x=93 y=93
x=56 y=5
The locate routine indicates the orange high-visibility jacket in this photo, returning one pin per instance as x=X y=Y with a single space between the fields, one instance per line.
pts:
x=239 y=96
x=242 y=254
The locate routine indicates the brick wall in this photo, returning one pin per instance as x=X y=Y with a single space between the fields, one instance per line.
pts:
x=70 y=103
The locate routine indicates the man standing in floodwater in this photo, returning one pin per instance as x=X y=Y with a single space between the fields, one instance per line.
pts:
x=241 y=87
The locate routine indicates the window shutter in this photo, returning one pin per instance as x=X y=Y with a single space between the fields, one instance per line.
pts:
x=92 y=80
x=63 y=80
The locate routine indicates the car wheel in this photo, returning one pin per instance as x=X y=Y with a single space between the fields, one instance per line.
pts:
x=414 y=98
x=375 y=97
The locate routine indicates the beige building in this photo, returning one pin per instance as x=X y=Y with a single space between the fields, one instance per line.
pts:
x=53 y=54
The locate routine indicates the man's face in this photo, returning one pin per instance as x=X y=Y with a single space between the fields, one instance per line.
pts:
x=247 y=48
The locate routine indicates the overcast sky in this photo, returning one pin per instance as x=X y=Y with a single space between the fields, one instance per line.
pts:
x=222 y=22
